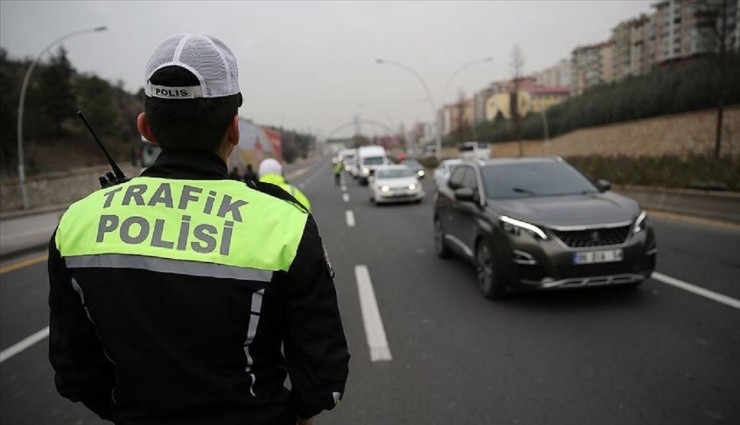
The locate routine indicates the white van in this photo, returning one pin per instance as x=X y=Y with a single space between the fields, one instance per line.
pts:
x=368 y=159
x=474 y=150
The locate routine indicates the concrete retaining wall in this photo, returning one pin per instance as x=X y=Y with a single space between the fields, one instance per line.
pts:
x=679 y=134
x=54 y=189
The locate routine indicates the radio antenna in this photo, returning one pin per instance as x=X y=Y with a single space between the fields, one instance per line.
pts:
x=116 y=170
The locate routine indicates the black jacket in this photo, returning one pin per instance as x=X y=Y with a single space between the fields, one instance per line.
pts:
x=144 y=347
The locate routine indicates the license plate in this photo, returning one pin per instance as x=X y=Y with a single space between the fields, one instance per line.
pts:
x=589 y=257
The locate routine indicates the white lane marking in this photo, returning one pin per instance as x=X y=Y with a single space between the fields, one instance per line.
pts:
x=25 y=343
x=344 y=188
x=345 y=196
x=319 y=170
x=350 y=218
x=724 y=299
x=374 y=330
x=298 y=172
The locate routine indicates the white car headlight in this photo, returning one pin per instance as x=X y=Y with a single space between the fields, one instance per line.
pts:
x=412 y=186
x=513 y=226
x=365 y=170
x=640 y=223
x=385 y=188
x=420 y=173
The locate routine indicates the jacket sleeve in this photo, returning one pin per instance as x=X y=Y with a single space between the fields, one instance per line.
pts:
x=82 y=371
x=315 y=346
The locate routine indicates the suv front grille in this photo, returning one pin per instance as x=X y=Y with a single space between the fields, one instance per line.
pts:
x=593 y=237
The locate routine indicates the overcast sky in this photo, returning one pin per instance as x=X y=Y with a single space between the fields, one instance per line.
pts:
x=310 y=66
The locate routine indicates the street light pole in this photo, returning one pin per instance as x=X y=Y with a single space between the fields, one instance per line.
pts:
x=429 y=96
x=458 y=70
x=547 y=136
x=21 y=103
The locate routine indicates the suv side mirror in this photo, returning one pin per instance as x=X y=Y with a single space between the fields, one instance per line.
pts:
x=466 y=194
x=604 y=184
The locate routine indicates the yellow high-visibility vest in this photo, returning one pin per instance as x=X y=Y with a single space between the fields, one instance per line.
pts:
x=202 y=227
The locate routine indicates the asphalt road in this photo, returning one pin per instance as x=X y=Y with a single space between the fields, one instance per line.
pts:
x=655 y=355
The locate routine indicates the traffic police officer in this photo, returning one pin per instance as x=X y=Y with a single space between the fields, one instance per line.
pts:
x=271 y=171
x=337 y=172
x=172 y=294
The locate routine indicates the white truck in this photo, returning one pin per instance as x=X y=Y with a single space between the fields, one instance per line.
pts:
x=368 y=159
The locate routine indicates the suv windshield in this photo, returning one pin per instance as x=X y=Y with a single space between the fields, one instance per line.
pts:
x=508 y=181
x=394 y=173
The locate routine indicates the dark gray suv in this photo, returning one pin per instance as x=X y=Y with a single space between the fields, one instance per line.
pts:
x=540 y=223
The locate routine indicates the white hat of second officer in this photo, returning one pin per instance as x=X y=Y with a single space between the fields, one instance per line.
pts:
x=270 y=166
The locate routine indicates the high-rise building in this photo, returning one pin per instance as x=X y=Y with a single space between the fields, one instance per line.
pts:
x=592 y=65
x=558 y=75
x=687 y=28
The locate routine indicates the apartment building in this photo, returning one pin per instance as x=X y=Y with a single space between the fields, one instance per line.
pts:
x=454 y=115
x=592 y=65
x=682 y=30
x=558 y=75
x=479 y=103
x=531 y=98
x=677 y=30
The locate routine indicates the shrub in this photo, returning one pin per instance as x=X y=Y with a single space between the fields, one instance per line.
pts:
x=694 y=171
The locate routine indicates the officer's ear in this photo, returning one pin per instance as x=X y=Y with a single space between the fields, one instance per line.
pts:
x=143 y=125
x=232 y=133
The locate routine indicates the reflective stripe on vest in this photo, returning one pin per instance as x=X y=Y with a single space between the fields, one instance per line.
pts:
x=202 y=224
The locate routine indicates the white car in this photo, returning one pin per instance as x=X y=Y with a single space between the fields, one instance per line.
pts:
x=395 y=183
x=442 y=172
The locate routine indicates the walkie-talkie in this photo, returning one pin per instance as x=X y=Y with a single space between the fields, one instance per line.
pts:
x=111 y=178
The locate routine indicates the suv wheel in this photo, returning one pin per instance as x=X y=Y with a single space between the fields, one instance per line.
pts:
x=489 y=284
x=439 y=241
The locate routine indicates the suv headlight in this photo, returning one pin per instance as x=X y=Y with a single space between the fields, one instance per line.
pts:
x=412 y=186
x=365 y=170
x=640 y=223
x=385 y=188
x=514 y=226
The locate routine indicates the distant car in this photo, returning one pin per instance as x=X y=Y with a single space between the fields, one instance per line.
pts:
x=442 y=172
x=350 y=166
x=394 y=183
x=539 y=223
x=415 y=166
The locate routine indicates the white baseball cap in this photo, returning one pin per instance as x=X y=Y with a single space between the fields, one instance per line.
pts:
x=270 y=166
x=205 y=57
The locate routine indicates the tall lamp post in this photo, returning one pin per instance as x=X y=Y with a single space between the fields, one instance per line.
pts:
x=438 y=131
x=458 y=70
x=546 y=132
x=22 y=101
x=429 y=96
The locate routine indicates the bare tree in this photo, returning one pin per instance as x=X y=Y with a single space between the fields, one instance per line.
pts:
x=719 y=31
x=517 y=62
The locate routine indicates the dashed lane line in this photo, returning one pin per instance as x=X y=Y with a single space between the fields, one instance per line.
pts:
x=345 y=197
x=350 y=216
x=25 y=343
x=374 y=330
x=724 y=299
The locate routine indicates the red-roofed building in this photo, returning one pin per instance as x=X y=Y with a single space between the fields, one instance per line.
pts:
x=532 y=98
